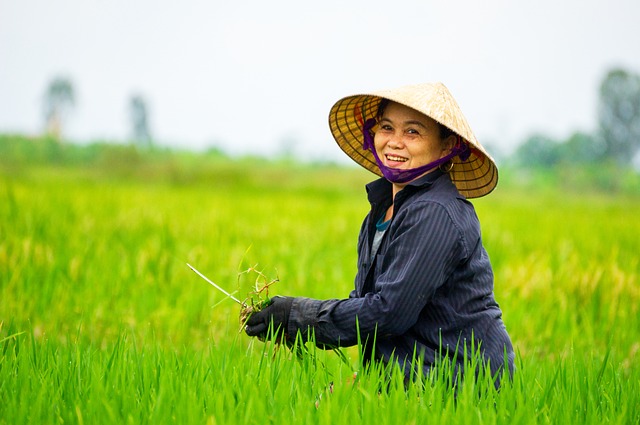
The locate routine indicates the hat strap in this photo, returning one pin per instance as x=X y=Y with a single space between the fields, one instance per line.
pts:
x=396 y=175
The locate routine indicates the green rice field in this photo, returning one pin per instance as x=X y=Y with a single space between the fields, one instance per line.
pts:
x=101 y=321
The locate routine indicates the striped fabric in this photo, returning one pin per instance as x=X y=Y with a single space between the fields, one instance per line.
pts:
x=429 y=289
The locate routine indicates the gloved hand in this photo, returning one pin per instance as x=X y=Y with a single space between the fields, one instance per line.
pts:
x=277 y=313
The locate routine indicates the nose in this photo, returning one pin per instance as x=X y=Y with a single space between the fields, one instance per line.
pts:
x=395 y=141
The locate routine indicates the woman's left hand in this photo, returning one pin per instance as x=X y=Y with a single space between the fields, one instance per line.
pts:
x=275 y=315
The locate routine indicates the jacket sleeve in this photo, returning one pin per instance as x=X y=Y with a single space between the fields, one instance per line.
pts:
x=423 y=248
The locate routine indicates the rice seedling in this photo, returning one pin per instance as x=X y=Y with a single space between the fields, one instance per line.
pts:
x=101 y=321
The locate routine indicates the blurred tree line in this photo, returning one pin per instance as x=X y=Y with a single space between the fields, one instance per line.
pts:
x=60 y=99
x=615 y=142
x=608 y=159
x=617 y=139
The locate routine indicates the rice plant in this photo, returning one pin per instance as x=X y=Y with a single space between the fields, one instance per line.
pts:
x=103 y=322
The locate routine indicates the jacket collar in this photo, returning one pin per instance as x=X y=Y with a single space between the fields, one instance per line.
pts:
x=379 y=191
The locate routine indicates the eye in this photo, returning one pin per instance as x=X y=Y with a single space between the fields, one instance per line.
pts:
x=386 y=127
x=413 y=131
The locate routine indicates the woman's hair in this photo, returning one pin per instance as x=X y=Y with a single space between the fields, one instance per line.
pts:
x=444 y=130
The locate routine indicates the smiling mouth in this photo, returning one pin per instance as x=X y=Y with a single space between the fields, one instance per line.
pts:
x=393 y=158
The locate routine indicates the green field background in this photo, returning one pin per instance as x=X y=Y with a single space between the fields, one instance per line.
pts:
x=102 y=321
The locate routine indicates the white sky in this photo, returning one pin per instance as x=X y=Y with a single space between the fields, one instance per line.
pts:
x=246 y=75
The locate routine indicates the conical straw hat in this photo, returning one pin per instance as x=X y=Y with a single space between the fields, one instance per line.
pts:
x=475 y=177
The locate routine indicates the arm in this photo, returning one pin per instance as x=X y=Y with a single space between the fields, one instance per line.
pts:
x=424 y=246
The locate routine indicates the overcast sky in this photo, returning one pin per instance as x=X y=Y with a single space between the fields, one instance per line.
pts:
x=248 y=76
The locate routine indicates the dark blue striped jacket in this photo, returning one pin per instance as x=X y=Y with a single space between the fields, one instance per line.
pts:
x=429 y=289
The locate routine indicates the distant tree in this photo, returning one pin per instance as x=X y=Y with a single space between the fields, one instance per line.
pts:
x=538 y=151
x=139 y=116
x=619 y=115
x=582 y=148
x=59 y=100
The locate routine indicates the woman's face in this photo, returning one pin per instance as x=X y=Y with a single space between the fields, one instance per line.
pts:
x=406 y=138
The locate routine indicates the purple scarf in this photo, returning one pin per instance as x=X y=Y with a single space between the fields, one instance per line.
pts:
x=396 y=175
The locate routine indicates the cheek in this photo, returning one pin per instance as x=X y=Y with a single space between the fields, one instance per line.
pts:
x=378 y=142
x=432 y=149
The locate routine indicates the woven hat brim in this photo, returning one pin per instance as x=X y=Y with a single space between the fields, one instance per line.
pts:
x=475 y=177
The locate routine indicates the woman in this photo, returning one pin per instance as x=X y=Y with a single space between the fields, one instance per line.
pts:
x=424 y=284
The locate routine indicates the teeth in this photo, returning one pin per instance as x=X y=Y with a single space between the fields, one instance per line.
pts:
x=396 y=158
